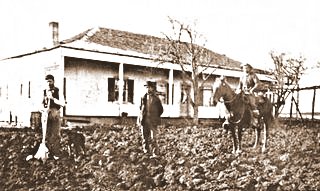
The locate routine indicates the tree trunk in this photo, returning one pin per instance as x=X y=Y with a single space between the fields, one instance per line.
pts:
x=196 y=117
x=276 y=111
x=196 y=102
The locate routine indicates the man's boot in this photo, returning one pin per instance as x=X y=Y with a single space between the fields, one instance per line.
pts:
x=255 y=117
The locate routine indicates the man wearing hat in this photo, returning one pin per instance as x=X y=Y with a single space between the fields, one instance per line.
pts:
x=151 y=110
x=249 y=84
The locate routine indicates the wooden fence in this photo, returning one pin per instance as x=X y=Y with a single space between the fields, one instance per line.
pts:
x=295 y=102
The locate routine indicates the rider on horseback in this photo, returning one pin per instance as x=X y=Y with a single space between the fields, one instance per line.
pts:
x=249 y=84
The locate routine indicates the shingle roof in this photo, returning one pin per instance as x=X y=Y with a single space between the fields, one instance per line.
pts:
x=140 y=43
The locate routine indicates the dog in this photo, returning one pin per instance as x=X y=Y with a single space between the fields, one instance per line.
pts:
x=75 y=141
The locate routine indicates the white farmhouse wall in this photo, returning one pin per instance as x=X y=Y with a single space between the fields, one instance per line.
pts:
x=86 y=88
x=22 y=83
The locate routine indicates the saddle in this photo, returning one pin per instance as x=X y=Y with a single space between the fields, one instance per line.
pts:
x=259 y=99
x=258 y=104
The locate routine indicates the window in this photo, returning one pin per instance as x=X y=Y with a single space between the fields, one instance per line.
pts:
x=163 y=91
x=205 y=96
x=185 y=93
x=113 y=93
x=128 y=91
x=7 y=94
x=21 y=88
x=29 y=90
x=113 y=90
x=172 y=92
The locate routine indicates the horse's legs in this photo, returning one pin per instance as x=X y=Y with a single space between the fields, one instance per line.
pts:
x=239 y=137
x=265 y=137
x=234 y=139
x=258 y=132
x=267 y=122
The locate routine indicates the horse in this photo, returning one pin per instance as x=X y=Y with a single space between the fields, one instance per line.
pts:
x=240 y=114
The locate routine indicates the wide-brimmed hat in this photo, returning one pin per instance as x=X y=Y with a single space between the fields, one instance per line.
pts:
x=49 y=77
x=150 y=84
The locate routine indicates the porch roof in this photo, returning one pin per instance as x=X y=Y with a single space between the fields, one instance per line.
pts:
x=106 y=39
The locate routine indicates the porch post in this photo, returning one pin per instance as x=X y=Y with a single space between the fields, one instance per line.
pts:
x=170 y=87
x=120 y=84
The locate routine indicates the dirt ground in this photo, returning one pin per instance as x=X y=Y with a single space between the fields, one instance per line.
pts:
x=192 y=158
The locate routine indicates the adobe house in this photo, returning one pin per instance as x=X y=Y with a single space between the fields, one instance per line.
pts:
x=101 y=73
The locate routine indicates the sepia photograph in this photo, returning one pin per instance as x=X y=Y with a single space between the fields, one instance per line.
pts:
x=157 y=95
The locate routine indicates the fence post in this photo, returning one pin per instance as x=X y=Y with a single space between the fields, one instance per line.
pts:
x=298 y=110
x=291 y=110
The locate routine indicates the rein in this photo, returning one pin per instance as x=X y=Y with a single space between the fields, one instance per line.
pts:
x=230 y=102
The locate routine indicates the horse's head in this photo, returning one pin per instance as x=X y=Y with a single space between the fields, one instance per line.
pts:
x=221 y=89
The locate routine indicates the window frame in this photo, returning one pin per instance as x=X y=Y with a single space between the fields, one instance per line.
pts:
x=113 y=90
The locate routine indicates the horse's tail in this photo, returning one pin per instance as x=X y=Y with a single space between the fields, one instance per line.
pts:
x=275 y=122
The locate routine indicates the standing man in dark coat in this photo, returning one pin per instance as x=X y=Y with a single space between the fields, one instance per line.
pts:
x=151 y=110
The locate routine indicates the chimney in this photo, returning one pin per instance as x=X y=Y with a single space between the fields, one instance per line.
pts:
x=54 y=26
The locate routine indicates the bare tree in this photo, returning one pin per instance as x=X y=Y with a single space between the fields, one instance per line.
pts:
x=287 y=73
x=184 y=47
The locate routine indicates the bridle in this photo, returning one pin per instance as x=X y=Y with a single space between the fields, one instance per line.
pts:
x=230 y=102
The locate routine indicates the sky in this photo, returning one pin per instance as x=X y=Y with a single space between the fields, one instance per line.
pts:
x=244 y=30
